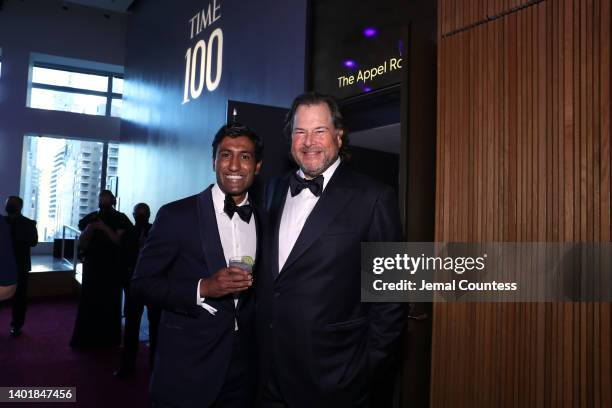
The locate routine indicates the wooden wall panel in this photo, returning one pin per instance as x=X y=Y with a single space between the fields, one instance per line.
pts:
x=456 y=15
x=523 y=154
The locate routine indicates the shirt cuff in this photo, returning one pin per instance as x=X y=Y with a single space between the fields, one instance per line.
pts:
x=200 y=301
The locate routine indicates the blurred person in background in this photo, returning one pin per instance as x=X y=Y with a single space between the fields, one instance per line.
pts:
x=23 y=237
x=132 y=242
x=98 y=321
x=8 y=269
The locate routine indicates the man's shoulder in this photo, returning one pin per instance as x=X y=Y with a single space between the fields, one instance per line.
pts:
x=86 y=220
x=181 y=203
x=123 y=220
x=90 y=215
x=4 y=224
x=274 y=181
x=363 y=182
x=180 y=207
x=273 y=190
x=22 y=219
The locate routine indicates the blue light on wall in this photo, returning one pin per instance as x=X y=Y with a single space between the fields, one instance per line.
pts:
x=171 y=112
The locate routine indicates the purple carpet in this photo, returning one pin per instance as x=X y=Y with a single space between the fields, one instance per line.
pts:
x=41 y=356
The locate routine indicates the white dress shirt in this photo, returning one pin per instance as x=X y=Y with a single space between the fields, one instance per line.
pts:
x=238 y=238
x=296 y=212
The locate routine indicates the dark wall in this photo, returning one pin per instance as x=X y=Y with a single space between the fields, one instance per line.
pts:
x=381 y=166
x=166 y=151
x=419 y=121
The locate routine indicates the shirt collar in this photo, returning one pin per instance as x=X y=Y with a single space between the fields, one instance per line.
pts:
x=327 y=174
x=218 y=197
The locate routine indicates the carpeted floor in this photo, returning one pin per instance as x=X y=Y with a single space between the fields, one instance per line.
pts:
x=41 y=356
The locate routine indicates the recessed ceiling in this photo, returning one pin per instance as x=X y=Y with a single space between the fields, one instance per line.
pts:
x=383 y=138
x=118 y=6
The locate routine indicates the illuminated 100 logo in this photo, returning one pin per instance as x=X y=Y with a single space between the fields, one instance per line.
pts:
x=199 y=61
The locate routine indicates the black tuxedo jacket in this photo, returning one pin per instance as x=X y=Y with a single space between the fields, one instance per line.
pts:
x=194 y=347
x=24 y=236
x=322 y=344
x=8 y=268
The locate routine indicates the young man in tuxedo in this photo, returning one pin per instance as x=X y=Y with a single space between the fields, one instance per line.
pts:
x=320 y=346
x=205 y=348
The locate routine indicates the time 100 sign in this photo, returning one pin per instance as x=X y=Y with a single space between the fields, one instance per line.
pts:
x=204 y=56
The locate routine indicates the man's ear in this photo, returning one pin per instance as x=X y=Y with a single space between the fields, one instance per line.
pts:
x=339 y=136
x=258 y=166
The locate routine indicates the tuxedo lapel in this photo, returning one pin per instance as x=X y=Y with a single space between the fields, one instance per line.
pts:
x=258 y=234
x=276 y=213
x=335 y=197
x=209 y=237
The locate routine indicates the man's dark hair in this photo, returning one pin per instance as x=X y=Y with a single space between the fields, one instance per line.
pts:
x=144 y=206
x=234 y=130
x=315 y=98
x=110 y=194
x=18 y=199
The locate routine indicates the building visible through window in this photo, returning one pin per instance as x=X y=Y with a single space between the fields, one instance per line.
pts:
x=68 y=89
x=62 y=180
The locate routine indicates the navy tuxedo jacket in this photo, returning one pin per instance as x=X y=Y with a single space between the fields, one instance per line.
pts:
x=322 y=343
x=194 y=347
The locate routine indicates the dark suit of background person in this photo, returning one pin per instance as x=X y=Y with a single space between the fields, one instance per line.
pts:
x=132 y=242
x=320 y=346
x=8 y=268
x=201 y=359
x=98 y=320
x=23 y=236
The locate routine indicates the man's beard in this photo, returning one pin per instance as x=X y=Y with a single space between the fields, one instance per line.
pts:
x=312 y=173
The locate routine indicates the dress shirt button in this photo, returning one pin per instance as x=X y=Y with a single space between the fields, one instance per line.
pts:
x=272 y=325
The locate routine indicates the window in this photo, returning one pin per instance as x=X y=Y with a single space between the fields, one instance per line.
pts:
x=57 y=87
x=60 y=194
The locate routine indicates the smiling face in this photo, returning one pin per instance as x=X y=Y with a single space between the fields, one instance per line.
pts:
x=315 y=141
x=235 y=165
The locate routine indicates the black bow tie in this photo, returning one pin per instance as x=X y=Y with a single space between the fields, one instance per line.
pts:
x=244 y=211
x=297 y=184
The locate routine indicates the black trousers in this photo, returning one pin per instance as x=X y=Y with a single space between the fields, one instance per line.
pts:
x=238 y=390
x=271 y=396
x=20 y=300
x=133 y=311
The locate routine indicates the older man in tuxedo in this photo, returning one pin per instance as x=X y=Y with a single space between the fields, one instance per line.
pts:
x=320 y=346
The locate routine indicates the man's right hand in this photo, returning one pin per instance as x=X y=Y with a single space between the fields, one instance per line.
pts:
x=226 y=281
